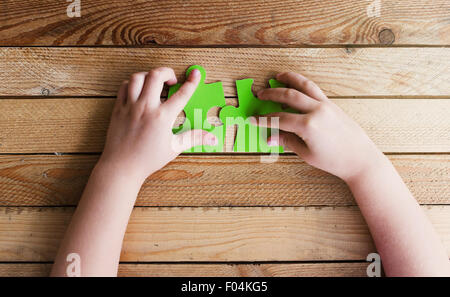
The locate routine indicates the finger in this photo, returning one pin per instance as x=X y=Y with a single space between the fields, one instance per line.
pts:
x=285 y=121
x=135 y=86
x=289 y=141
x=154 y=84
x=121 y=96
x=178 y=101
x=189 y=139
x=302 y=84
x=291 y=97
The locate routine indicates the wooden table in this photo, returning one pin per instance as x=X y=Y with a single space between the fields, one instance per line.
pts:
x=218 y=214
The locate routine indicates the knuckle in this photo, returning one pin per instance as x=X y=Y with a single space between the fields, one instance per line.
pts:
x=293 y=95
x=308 y=122
x=289 y=93
x=155 y=73
x=157 y=113
x=162 y=69
x=308 y=84
x=136 y=76
x=324 y=109
x=290 y=74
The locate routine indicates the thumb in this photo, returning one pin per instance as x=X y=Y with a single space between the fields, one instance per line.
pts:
x=189 y=139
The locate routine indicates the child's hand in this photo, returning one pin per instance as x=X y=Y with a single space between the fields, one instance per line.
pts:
x=323 y=135
x=140 y=139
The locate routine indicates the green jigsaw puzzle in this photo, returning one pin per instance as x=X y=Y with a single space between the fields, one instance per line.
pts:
x=205 y=97
x=249 y=138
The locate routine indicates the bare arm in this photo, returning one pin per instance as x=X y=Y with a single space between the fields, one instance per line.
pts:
x=139 y=142
x=405 y=239
x=325 y=137
x=99 y=223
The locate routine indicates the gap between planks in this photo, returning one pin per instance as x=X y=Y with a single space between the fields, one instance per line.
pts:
x=212 y=234
x=355 y=71
x=214 y=180
x=79 y=125
x=224 y=22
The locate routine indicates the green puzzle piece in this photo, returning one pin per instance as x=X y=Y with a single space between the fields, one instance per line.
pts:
x=276 y=84
x=205 y=97
x=250 y=138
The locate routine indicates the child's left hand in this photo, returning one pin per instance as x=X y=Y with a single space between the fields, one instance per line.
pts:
x=140 y=139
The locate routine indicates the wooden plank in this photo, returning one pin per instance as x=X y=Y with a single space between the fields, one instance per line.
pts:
x=225 y=22
x=79 y=125
x=210 y=270
x=338 y=71
x=201 y=180
x=25 y=270
x=211 y=234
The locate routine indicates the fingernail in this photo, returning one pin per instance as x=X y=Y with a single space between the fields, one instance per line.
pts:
x=272 y=142
x=195 y=73
x=252 y=120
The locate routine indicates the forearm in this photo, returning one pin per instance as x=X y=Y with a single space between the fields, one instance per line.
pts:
x=404 y=237
x=98 y=226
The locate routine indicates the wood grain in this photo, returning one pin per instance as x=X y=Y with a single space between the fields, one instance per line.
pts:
x=311 y=214
x=213 y=181
x=338 y=71
x=210 y=270
x=224 y=22
x=80 y=125
x=211 y=234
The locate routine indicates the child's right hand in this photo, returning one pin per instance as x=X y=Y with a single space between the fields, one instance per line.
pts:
x=323 y=135
x=140 y=139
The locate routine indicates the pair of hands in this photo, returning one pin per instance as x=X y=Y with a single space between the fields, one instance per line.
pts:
x=140 y=139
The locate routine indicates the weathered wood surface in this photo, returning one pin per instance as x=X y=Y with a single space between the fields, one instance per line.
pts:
x=211 y=234
x=200 y=180
x=225 y=22
x=80 y=125
x=338 y=71
x=273 y=39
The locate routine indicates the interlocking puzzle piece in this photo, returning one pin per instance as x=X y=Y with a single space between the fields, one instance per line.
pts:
x=250 y=138
x=205 y=97
x=276 y=84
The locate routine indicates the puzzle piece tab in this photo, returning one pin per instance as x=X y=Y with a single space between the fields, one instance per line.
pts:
x=250 y=138
x=273 y=83
x=205 y=97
